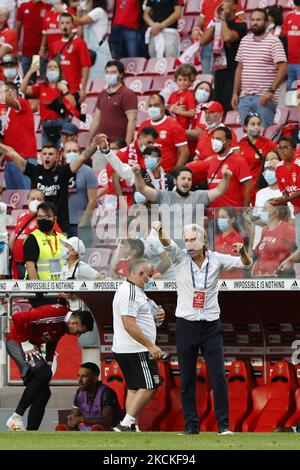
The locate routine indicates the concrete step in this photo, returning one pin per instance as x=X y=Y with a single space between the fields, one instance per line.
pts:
x=49 y=422
x=61 y=397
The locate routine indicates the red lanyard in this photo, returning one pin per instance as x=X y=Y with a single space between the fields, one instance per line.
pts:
x=50 y=244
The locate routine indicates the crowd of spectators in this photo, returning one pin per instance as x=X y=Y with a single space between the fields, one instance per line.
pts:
x=211 y=136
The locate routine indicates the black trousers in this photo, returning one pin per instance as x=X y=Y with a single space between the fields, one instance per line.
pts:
x=192 y=336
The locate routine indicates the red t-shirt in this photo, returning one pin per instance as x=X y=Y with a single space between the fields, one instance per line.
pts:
x=224 y=244
x=199 y=169
x=234 y=196
x=253 y=159
x=74 y=57
x=171 y=135
x=183 y=98
x=8 y=37
x=122 y=268
x=209 y=8
x=275 y=245
x=127 y=13
x=46 y=95
x=19 y=128
x=196 y=122
x=132 y=156
x=51 y=27
x=31 y=16
x=288 y=179
x=204 y=147
x=17 y=250
x=291 y=29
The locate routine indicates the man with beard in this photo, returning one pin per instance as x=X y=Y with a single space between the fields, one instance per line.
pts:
x=182 y=205
x=262 y=67
x=52 y=179
x=198 y=324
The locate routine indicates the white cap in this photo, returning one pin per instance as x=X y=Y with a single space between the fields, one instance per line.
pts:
x=76 y=244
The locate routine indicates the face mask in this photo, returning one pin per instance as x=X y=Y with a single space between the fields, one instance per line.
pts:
x=52 y=75
x=297 y=3
x=10 y=73
x=33 y=205
x=149 y=284
x=201 y=96
x=270 y=177
x=53 y=2
x=223 y=224
x=154 y=112
x=83 y=5
x=211 y=126
x=264 y=217
x=151 y=163
x=253 y=133
x=139 y=198
x=217 y=145
x=142 y=148
x=111 y=80
x=45 y=225
x=64 y=253
x=71 y=156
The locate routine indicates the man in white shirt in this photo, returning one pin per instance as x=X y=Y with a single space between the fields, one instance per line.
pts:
x=198 y=324
x=135 y=318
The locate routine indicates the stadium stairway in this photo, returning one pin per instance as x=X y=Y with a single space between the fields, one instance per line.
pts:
x=61 y=398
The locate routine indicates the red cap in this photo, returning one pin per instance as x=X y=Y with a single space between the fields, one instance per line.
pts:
x=214 y=106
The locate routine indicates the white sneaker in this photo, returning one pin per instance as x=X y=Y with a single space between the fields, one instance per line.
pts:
x=225 y=432
x=15 y=423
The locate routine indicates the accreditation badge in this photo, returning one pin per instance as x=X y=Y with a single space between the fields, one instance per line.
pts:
x=199 y=299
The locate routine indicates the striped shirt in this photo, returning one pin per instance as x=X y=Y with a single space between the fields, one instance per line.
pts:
x=131 y=300
x=259 y=59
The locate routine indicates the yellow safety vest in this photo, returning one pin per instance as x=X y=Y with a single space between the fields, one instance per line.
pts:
x=50 y=262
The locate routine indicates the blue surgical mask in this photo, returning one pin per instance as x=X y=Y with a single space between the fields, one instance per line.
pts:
x=223 y=224
x=111 y=79
x=201 y=95
x=139 y=198
x=154 y=112
x=264 y=217
x=10 y=73
x=270 y=177
x=151 y=163
x=150 y=283
x=52 y=75
x=71 y=156
x=253 y=133
x=64 y=252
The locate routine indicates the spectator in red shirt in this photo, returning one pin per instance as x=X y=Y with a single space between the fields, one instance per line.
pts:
x=53 y=95
x=10 y=68
x=238 y=191
x=277 y=240
x=17 y=121
x=130 y=250
x=29 y=21
x=8 y=36
x=182 y=102
x=261 y=69
x=288 y=179
x=227 y=236
x=291 y=29
x=46 y=324
x=74 y=57
x=254 y=148
x=171 y=136
x=125 y=37
x=119 y=103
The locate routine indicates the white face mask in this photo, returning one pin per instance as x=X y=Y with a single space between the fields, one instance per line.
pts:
x=33 y=205
x=212 y=125
x=217 y=145
x=111 y=79
x=201 y=96
x=71 y=156
x=154 y=112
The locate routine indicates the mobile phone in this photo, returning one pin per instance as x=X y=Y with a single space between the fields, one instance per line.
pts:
x=35 y=60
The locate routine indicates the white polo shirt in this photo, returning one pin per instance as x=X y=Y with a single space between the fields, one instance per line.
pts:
x=131 y=300
x=191 y=278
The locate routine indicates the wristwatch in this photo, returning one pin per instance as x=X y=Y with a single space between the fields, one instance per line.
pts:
x=271 y=90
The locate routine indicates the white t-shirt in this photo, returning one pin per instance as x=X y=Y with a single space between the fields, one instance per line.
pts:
x=3 y=220
x=131 y=300
x=262 y=196
x=100 y=22
x=83 y=271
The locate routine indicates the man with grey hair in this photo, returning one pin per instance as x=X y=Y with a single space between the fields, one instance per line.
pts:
x=135 y=318
x=198 y=324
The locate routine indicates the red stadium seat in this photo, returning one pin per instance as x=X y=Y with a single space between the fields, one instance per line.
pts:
x=185 y=25
x=185 y=43
x=143 y=103
x=97 y=86
x=192 y=7
x=82 y=138
x=15 y=214
x=296 y=416
x=286 y=4
x=134 y=65
x=281 y=116
x=274 y=402
x=294 y=115
x=152 y=416
x=272 y=131
x=239 y=132
x=15 y=198
x=205 y=78
x=232 y=119
x=253 y=4
x=159 y=83
x=141 y=117
x=97 y=258
x=174 y=421
x=116 y=381
x=139 y=85
x=161 y=66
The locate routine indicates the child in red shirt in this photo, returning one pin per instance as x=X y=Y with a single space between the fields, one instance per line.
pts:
x=182 y=102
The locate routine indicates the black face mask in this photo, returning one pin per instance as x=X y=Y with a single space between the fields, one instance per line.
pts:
x=297 y=3
x=181 y=193
x=45 y=225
